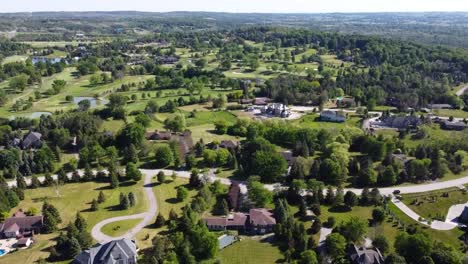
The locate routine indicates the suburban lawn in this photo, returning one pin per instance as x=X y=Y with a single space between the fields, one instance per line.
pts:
x=252 y=251
x=166 y=196
x=433 y=204
x=450 y=237
x=311 y=121
x=119 y=228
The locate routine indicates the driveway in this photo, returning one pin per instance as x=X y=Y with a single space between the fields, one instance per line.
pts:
x=462 y=91
x=147 y=217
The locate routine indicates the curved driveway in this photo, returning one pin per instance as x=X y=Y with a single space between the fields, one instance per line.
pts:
x=147 y=217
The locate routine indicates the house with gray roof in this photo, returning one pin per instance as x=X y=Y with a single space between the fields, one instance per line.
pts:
x=32 y=140
x=361 y=255
x=402 y=122
x=122 y=251
x=332 y=116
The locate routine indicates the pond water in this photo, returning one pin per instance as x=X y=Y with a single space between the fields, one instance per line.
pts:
x=93 y=101
x=45 y=60
x=34 y=115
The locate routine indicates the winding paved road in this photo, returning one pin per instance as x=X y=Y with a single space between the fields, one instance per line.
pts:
x=147 y=217
x=462 y=91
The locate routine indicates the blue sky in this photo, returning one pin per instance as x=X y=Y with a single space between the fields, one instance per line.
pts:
x=264 y=6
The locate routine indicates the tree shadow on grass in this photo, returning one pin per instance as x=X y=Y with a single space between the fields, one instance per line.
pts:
x=339 y=209
x=172 y=200
x=113 y=208
x=151 y=185
x=103 y=188
x=127 y=183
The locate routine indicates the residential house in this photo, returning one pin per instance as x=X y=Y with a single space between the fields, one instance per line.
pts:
x=235 y=221
x=402 y=122
x=439 y=106
x=332 y=116
x=166 y=59
x=361 y=255
x=185 y=143
x=158 y=135
x=229 y=144
x=31 y=140
x=345 y=102
x=122 y=251
x=20 y=225
x=261 y=101
x=24 y=242
x=235 y=197
x=276 y=109
x=447 y=125
x=261 y=221
x=257 y=221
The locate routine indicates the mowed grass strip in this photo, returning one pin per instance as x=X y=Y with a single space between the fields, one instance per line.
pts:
x=250 y=251
x=119 y=228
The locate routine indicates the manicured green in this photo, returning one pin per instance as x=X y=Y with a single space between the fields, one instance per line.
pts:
x=250 y=251
x=119 y=228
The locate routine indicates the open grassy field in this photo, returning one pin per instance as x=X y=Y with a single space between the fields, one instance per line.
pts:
x=250 y=251
x=73 y=198
x=451 y=237
x=119 y=228
x=312 y=121
x=434 y=204
x=14 y=58
x=76 y=197
x=457 y=113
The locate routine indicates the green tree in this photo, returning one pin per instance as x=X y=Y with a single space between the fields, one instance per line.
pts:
x=413 y=247
x=336 y=246
x=350 y=199
x=182 y=193
x=381 y=243
x=378 y=215
x=308 y=257
x=101 y=197
x=114 y=181
x=160 y=221
x=94 y=205
x=354 y=229
x=258 y=194
x=133 y=172
x=164 y=156
x=131 y=199
x=161 y=177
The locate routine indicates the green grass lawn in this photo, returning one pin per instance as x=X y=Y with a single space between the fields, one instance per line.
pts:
x=14 y=58
x=77 y=197
x=166 y=197
x=450 y=237
x=311 y=121
x=119 y=228
x=73 y=198
x=433 y=204
x=457 y=113
x=250 y=251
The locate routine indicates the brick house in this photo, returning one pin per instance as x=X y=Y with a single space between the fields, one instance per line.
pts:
x=257 y=221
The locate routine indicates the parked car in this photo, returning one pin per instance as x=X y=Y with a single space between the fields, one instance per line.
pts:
x=396 y=192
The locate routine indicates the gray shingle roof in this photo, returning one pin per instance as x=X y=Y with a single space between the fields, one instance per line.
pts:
x=116 y=251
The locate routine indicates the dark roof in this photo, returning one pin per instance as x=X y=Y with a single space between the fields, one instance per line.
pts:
x=365 y=256
x=464 y=215
x=236 y=219
x=229 y=144
x=185 y=143
x=261 y=101
x=402 y=121
x=233 y=195
x=288 y=156
x=24 y=222
x=109 y=253
x=261 y=217
x=31 y=139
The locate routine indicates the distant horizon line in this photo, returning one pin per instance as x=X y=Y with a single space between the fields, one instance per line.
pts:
x=230 y=12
